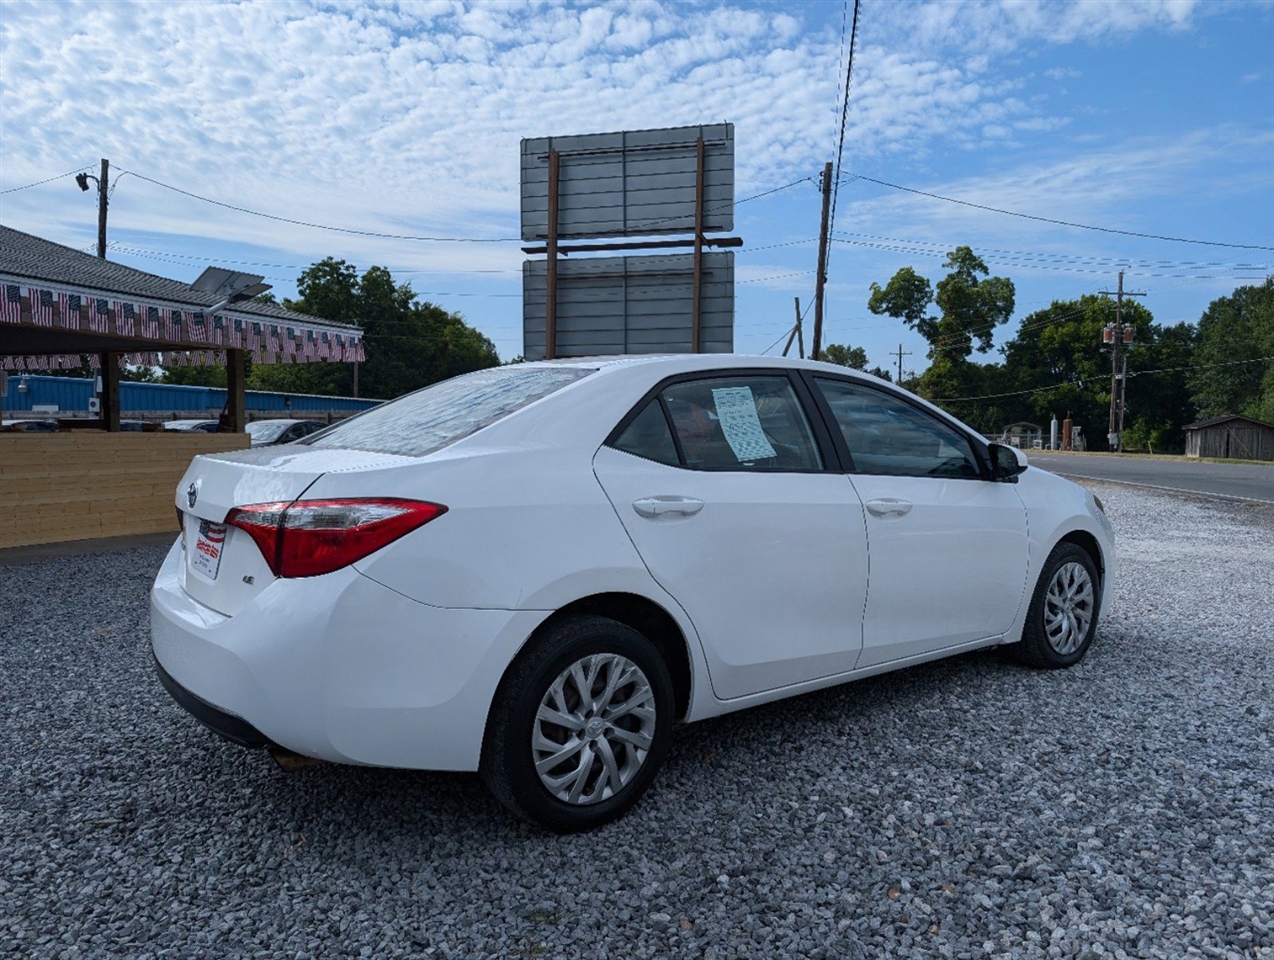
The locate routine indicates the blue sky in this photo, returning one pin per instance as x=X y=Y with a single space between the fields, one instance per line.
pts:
x=1139 y=116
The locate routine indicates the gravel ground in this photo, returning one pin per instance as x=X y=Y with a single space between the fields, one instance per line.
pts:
x=970 y=808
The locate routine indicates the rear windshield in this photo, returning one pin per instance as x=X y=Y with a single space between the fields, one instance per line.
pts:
x=266 y=431
x=429 y=419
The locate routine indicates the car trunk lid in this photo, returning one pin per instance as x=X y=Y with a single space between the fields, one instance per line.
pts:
x=223 y=566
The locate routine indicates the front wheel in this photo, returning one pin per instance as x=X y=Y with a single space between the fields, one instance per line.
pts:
x=579 y=725
x=1062 y=618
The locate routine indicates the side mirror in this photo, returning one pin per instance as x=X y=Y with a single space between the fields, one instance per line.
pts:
x=1006 y=463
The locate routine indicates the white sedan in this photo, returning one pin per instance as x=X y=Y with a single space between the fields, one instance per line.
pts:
x=534 y=571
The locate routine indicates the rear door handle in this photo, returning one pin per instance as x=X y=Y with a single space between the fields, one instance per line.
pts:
x=888 y=506
x=658 y=506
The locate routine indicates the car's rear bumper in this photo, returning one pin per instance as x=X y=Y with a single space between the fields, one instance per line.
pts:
x=337 y=667
x=227 y=725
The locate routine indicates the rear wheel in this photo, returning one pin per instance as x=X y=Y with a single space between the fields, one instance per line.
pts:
x=579 y=725
x=1063 y=616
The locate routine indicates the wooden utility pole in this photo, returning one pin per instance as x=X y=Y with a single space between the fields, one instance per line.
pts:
x=1118 y=378
x=822 y=264
x=102 y=185
x=1112 y=436
x=900 y=356
x=797 y=334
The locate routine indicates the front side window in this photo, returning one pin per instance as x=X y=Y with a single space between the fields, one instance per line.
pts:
x=743 y=423
x=887 y=436
x=429 y=419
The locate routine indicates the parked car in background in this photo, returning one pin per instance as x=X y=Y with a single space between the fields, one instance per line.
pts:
x=206 y=426
x=30 y=426
x=265 y=433
x=534 y=571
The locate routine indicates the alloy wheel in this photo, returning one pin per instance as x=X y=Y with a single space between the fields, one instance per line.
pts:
x=1068 y=607
x=593 y=729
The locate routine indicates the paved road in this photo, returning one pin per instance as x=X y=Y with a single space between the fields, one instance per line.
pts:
x=1243 y=481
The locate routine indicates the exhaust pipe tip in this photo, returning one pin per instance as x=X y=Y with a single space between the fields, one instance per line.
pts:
x=290 y=762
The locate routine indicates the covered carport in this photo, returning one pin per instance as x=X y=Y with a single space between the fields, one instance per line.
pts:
x=59 y=306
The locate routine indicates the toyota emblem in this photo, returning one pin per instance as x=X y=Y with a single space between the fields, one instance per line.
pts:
x=192 y=494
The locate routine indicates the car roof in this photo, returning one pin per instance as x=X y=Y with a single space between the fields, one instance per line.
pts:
x=672 y=363
x=278 y=420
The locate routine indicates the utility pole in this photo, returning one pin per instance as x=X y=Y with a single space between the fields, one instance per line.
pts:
x=796 y=333
x=103 y=194
x=900 y=356
x=1114 y=334
x=102 y=198
x=822 y=264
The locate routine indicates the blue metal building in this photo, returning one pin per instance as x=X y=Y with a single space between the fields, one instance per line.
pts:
x=72 y=395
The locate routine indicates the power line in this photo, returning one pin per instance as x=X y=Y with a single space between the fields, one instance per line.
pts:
x=1043 y=261
x=779 y=276
x=38 y=183
x=844 y=112
x=1164 y=262
x=1061 y=223
x=1101 y=376
x=324 y=226
x=397 y=236
x=176 y=257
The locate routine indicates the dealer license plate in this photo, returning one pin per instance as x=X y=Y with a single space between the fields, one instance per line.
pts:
x=209 y=545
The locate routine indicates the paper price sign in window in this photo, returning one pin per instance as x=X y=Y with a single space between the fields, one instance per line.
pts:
x=736 y=412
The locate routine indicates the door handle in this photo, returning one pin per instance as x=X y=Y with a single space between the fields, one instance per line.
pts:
x=888 y=506
x=658 y=506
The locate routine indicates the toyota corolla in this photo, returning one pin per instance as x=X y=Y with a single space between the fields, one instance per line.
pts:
x=534 y=571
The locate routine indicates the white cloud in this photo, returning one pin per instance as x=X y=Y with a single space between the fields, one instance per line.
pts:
x=406 y=118
x=392 y=117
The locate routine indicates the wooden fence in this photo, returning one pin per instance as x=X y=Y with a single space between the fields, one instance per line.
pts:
x=87 y=484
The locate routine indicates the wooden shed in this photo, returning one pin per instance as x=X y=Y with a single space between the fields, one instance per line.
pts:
x=1231 y=437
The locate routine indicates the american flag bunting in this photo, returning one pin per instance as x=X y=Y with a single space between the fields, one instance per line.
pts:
x=11 y=306
x=41 y=307
x=99 y=314
x=125 y=319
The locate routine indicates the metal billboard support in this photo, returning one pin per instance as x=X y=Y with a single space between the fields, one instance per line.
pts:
x=694 y=305
x=550 y=306
x=632 y=185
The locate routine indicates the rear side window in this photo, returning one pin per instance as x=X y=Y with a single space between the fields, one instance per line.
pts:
x=443 y=413
x=648 y=436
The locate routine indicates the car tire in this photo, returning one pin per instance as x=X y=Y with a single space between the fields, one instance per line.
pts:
x=1062 y=618
x=607 y=751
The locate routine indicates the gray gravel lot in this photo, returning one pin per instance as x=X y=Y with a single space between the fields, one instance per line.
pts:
x=970 y=808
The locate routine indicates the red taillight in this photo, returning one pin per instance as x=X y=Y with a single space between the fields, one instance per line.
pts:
x=310 y=537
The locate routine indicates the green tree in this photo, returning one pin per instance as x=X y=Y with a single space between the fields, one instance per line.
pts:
x=853 y=357
x=844 y=355
x=1058 y=356
x=1237 y=327
x=200 y=376
x=409 y=344
x=970 y=304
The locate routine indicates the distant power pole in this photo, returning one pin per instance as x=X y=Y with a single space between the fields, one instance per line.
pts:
x=1115 y=335
x=900 y=356
x=103 y=188
x=796 y=333
x=102 y=199
x=816 y=346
